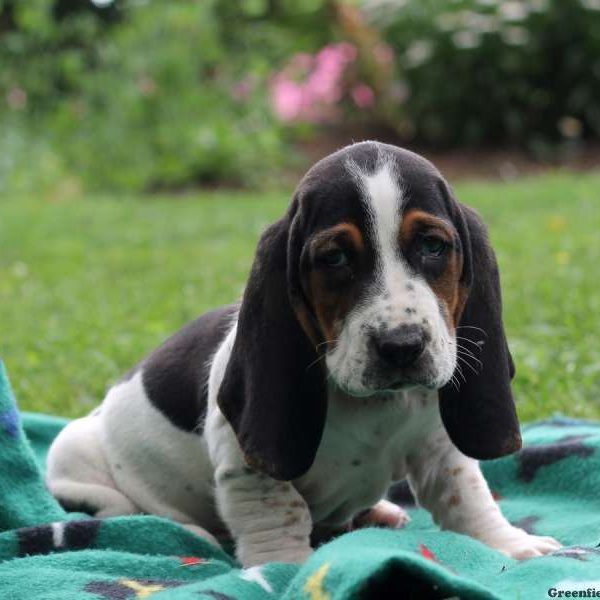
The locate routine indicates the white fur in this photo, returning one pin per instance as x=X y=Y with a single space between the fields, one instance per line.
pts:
x=127 y=458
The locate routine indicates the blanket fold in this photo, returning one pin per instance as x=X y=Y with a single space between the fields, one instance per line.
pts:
x=551 y=487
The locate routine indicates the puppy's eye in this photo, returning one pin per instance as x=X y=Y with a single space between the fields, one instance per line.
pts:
x=431 y=246
x=335 y=259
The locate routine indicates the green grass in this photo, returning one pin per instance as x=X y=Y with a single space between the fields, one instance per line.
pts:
x=88 y=287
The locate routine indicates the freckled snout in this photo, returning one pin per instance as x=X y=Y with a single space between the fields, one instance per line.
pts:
x=401 y=347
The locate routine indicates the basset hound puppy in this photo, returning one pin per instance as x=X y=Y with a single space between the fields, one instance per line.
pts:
x=368 y=347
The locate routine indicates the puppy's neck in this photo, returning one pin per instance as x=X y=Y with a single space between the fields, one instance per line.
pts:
x=382 y=403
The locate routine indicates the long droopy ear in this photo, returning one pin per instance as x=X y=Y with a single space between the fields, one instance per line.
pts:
x=273 y=391
x=480 y=416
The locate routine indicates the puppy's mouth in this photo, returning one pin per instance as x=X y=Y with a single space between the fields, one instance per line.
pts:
x=403 y=386
x=383 y=388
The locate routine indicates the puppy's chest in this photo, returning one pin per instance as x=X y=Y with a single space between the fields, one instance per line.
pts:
x=364 y=448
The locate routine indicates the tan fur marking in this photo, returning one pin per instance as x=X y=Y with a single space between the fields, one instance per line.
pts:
x=415 y=217
x=447 y=287
x=330 y=305
x=352 y=230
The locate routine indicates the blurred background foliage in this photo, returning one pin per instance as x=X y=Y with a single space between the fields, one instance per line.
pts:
x=144 y=95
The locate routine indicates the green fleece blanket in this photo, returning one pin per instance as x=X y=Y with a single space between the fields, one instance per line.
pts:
x=552 y=488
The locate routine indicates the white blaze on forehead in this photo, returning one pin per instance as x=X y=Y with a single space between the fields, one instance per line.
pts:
x=384 y=201
x=383 y=198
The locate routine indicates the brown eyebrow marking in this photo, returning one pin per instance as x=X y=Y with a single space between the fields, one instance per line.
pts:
x=416 y=217
x=351 y=230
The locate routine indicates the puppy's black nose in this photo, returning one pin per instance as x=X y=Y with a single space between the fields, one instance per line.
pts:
x=401 y=347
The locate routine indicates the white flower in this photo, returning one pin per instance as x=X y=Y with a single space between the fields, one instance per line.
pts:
x=466 y=39
x=418 y=53
x=467 y=19
x=481 y=23
x=515 y=36
x=513 y=11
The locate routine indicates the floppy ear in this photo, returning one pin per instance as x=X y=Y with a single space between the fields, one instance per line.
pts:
x=480 y=417
x=273 y=390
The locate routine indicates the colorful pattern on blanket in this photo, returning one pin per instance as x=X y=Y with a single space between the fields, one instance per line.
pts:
x=552 y=488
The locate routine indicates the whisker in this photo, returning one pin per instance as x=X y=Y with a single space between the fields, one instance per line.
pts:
x=460 y=372
x=326 y=342
x=465 y=349
x=465 y=359
x=461 y=347
x=468 y=365
x=473 y=327
x=314 y=362
x=458 y=337
x=463 y=354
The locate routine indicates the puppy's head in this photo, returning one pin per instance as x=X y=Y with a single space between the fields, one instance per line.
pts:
x=377 y=280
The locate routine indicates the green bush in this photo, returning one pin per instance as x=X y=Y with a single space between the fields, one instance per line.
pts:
x=474 y=71
x=145 y=95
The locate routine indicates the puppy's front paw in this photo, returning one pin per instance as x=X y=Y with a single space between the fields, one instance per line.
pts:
x=521 y=545
x=383 y=514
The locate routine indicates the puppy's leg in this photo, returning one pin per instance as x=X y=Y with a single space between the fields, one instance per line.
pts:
x=452 y=488
x=78 y=474
x=268 y=519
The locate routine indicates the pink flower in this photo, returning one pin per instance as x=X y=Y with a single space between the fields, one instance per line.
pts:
x=347 y=51
x=363 y=95
x=286 y=97
x=310 y=87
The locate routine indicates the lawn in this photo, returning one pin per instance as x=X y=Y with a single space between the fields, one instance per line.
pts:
x=87 y=287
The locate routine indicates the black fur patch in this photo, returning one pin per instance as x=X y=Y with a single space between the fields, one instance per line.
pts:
x=175 y=376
